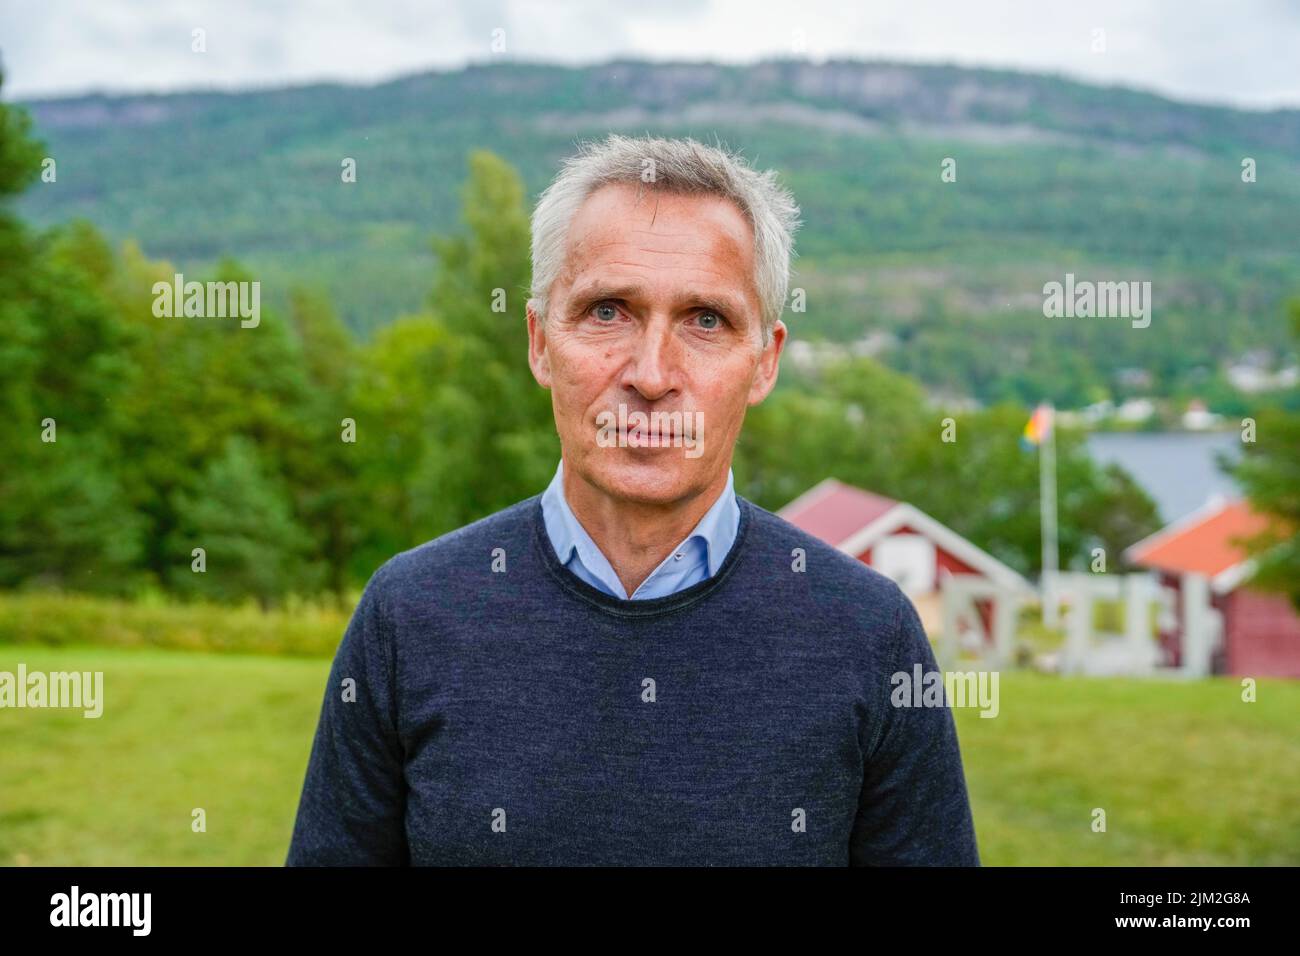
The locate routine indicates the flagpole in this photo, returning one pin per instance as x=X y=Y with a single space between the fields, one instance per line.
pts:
x=1047 y=498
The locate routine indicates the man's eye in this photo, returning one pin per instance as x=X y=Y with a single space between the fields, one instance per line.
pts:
x=605 y=312
x=710 y=320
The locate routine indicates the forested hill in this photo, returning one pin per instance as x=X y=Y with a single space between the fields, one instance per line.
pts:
x=1053 y=176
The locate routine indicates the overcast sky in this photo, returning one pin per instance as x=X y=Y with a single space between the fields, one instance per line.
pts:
x=1242 y=52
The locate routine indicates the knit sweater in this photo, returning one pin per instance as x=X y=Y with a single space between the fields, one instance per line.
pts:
x=486 y=706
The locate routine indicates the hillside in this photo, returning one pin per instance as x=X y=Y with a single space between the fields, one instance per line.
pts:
x=1053 y=177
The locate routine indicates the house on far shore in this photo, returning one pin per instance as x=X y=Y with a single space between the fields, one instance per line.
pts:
x=1201 y=560
x=900 y=541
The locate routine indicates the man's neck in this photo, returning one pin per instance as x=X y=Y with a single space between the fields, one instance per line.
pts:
x=633 y=536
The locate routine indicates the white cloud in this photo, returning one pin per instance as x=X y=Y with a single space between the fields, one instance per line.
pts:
x=1240 y=53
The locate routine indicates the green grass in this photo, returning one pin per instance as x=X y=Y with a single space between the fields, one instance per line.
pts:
x=1187 y=773
x=180 y=730
x=301 y=628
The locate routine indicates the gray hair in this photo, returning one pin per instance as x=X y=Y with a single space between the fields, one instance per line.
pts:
x=676 y=166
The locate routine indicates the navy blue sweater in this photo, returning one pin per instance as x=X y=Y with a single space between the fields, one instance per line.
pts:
x=487 y=706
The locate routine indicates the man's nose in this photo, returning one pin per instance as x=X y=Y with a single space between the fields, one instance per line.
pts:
x=653 y=367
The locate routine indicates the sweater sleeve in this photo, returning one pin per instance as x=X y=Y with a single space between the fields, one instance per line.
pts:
x=913 y=809
x=352 y=808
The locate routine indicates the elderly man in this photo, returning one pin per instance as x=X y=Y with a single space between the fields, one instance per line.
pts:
x=638 y=666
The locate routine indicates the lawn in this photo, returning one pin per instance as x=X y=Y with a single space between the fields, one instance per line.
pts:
x=1186 y=772
x=181 y=730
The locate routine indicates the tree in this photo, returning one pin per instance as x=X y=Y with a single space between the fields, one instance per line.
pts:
x=851 y=421
x=871 y=427
x=196 y=382
x=240 y=515
x=327 y=468
x=405 y=404
x=473 y=429
x=1269 y=472
x=65 y=519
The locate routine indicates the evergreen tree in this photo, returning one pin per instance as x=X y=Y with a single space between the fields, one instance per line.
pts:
x=241 y=516
x=1269 y=471
x=65 y=519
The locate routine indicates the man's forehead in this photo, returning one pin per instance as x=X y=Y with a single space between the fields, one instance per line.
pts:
x=620 y=230
x=656 y=210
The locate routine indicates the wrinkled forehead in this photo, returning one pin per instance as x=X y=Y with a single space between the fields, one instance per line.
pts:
x=655 y=231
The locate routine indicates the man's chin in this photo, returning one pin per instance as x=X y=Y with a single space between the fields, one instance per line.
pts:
x=644 y=475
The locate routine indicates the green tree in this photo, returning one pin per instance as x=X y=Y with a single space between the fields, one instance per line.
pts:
x=326 y=467
x=465 y=428
x=849 y=421
x=405 y=408
x=20 y=153
x=195 y=383
x=64 y=515
x=986 y=487
x=871 y=427
x=511 y=438
x=241 y=516
x=1269 y=472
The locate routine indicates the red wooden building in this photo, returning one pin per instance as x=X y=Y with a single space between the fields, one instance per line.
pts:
x=898 y=540
x=1260 y=630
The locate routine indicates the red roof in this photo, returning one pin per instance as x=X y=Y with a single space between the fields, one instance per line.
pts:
x=1203 y=543
x=833 y=510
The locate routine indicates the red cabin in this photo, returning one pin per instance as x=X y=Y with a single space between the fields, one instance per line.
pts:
x=1261 y=630
x=898 y=540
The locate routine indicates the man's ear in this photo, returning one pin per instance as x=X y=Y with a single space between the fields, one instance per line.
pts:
x=538 y=360
x=768 y=365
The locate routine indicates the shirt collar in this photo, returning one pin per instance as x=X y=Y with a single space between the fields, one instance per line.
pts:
x=718 y=526
x=716 y=530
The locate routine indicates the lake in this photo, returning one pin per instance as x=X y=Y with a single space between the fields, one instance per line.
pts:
x=1177 y=469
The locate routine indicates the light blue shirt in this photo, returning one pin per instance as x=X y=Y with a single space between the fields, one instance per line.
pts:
x=694 y=560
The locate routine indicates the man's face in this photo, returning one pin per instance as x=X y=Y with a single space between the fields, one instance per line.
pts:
x=655 y=310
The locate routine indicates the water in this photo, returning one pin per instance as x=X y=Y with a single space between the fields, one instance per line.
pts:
x=1177 y=469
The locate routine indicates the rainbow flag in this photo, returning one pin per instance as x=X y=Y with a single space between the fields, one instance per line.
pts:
x=1038 y=427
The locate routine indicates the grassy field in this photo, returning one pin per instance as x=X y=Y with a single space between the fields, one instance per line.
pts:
x=1186 y=772
x=299 y=629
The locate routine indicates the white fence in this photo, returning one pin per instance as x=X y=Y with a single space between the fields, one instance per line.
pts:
x=1134 y=651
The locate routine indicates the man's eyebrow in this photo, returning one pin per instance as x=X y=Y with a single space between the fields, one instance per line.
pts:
x=602 y=290
x=715 y=303
x=704 y=300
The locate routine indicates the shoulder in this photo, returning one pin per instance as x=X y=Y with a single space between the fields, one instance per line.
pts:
x=840 y=583
x=460 y=553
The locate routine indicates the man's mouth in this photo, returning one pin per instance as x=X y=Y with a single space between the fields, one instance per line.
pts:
x=658 y=429
x=645 y=437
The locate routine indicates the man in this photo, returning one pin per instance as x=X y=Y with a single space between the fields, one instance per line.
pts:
x=638 y=666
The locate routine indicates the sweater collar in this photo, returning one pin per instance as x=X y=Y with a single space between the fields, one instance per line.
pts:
x=706 y=546
x=643 y=607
